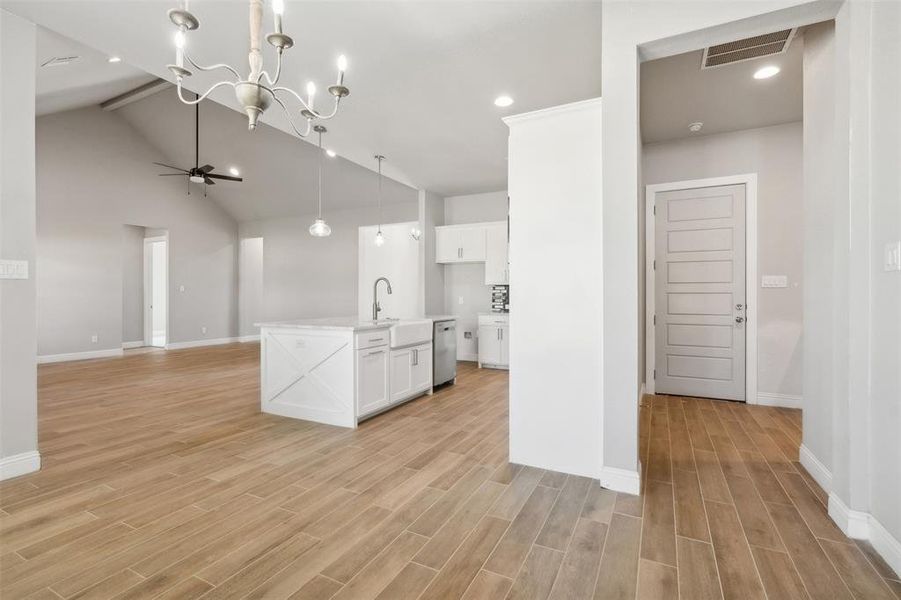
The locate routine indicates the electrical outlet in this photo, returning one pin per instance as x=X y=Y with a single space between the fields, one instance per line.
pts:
x=94 y=339
x=13 y=269
x=181 y=288
x=203 y=330
x=467 y=335
x=460 y=300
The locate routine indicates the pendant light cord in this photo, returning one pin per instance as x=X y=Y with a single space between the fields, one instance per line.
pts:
x=320 y=174
x=380 y=192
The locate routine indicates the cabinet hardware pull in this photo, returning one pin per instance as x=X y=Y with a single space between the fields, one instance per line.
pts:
x=376 y=339
x=375 y=352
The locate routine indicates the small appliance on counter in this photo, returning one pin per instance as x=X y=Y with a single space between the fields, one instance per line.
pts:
x=500 y=298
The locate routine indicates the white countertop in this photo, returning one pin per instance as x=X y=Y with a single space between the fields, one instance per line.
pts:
x=349 y=323
x=346 y=323
x=494 y=314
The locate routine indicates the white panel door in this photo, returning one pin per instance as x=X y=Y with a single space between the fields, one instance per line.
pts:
x=472 y=243
x=447 y=245
x=489 y=345
x=496 y=254
x=700 y=292
x=422 y=368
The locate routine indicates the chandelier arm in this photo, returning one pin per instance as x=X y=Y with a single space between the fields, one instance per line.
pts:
x=278 y=72
x=201 y=98
x=290 y=120
x=212 y=67
x=303 y=103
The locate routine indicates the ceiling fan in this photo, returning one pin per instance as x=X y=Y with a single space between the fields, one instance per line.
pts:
x=197 y=174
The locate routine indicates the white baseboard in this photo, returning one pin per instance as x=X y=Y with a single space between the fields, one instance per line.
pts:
x=641 y=393
x=52 y=358
x=19 y=464
x=862 y=525
x=134 y=344
x=621 y=480
x=468 y=357
x=199 y=343
x=817 y=470
x=249 y=338
x=783 y=400
x=888 y=547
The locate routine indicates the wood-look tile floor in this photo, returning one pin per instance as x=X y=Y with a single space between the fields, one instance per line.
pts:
x=162 y=479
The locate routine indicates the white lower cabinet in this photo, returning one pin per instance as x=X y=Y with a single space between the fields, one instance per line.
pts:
x=494 y=343
x=372 y=380
x=410 y=371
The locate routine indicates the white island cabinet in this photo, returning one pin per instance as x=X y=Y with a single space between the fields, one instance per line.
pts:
x=338 y=371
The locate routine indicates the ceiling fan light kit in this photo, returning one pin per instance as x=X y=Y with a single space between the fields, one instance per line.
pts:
x=259 y=90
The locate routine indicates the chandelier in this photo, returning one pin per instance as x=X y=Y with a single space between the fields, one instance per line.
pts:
x=259 y=90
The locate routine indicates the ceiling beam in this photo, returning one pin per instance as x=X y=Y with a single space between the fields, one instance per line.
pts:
x=139 y=93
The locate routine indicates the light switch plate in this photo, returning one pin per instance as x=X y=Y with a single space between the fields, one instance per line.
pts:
x=13 y=269
x=774 y=281
x=893 y=256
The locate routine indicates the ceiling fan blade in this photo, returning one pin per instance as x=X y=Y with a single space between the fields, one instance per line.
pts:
x=225 y=177
x=170 y=167
x=207 y=168
x=208 y=181
x=170 y=174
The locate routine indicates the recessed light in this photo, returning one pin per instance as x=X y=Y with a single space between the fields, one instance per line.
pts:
x=331 y=153
x=114 y=59
x=234 y=171
x=695 y=127
x=503 y=101
x=766 y=72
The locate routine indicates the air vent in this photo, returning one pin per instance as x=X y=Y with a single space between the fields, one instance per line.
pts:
x=59 y=61
x=747 y=49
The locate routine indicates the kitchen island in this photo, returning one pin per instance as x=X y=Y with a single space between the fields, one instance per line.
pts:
x=340 y=371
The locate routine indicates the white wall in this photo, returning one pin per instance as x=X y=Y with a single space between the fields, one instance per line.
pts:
x=18 y=375
x=466 y=282
x=307 y=277
x=132 y=283
x=555 y=324
x=250 y=286
x=94 y=175
x=398 y=260
x=775 y=154
x=819 y=206
x=159 y=277
x=634 y=31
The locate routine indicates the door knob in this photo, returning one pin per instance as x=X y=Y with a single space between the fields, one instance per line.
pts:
x=739 y=306
x=739 y=319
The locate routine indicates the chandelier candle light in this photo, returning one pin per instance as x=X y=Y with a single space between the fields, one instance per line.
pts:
x=320 y=228
x=259 y=90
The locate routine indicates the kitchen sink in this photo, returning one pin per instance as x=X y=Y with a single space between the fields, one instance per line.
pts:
x=409 y=332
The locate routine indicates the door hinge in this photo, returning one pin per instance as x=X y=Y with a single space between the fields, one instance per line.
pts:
x=655 y=264
x=655 y=319
x=655 y=373
x=655 y=209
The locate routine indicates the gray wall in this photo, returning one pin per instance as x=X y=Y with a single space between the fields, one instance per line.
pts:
x=132 y=283
x=774 y=153
x=307 y=277
x=94 y=176
x=431 y=214
x=467 y=281
x=18 y=377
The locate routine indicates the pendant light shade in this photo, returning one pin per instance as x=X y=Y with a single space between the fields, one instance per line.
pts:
x=379 y=236
x=320 y=228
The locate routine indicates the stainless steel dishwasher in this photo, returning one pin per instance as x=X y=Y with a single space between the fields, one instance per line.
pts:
x=444 y=348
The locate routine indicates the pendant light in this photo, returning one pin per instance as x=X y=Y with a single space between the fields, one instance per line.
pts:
x=320 y=228
x=379 y=236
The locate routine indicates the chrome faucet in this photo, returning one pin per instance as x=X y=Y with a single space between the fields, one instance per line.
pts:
x=376 y=307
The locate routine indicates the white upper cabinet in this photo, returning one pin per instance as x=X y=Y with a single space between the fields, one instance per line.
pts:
x=460 y=243
x=496 y=266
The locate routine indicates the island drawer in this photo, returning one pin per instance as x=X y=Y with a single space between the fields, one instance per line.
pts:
x=370 y=339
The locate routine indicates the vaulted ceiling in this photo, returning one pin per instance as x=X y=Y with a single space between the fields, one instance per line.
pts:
x=423 y=75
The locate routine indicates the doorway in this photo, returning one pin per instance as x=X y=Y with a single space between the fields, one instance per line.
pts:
x=701 y=335
x=156 y=291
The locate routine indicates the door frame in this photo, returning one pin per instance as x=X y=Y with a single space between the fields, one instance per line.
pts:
x=148 y=287
x=749 y=180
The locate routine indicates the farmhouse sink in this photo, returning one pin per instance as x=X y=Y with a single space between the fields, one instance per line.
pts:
x=408 y=332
